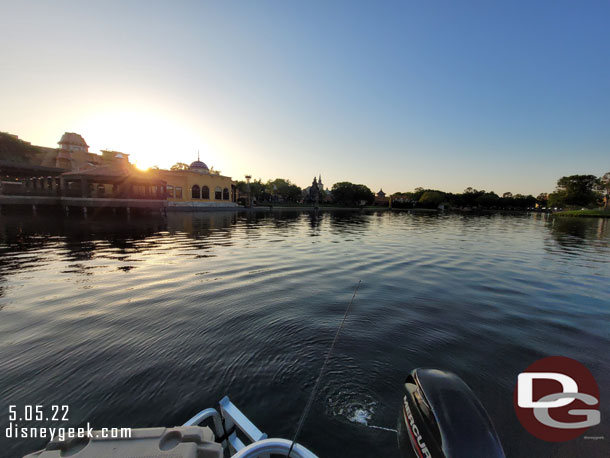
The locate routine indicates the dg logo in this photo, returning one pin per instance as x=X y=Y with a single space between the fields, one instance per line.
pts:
x=557 y=399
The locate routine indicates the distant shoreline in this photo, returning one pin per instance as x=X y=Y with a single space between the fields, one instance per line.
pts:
x=583 y=214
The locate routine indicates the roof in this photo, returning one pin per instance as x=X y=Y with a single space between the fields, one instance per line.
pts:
x=115 y=172
x=198 y=165
x=103 y=171
x=23 y=166
x=71 y=138
x=113 y=152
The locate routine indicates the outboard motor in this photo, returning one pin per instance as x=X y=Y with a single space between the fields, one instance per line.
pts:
x=442 y=418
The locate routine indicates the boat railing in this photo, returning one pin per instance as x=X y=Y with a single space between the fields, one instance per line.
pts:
x=230 y=420
x=268 y=447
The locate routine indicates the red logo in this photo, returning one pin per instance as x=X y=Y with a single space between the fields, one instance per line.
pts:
x=557 y=399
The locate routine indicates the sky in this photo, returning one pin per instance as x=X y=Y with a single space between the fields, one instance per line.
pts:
x=502 y=96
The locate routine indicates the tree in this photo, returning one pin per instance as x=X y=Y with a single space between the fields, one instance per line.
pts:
x=431 y=199
x=557 y=199
x=542 y=199
x=469 y=197
x=489 y=199
x=577 y=190
x=507 y=195
x=179 y=166
x=417 y=193
x=283 y=189
x=256 y=189
x=347 y=193
x=242 y=187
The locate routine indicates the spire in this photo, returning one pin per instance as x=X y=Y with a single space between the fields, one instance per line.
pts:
x=198 y=155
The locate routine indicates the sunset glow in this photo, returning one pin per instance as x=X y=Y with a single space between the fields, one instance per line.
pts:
x=149 y=137
x=292 y=91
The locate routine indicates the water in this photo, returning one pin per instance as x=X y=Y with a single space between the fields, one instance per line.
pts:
x=145 y=322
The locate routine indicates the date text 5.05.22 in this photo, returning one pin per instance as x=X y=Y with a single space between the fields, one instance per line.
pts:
x=38 y=413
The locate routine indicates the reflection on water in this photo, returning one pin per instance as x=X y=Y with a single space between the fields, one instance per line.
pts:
x=579 y=232
x=143 y=322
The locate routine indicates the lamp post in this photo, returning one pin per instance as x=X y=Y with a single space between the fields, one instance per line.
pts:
x=249 y=194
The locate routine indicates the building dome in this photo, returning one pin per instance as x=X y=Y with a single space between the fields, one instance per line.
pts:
x=198 y=166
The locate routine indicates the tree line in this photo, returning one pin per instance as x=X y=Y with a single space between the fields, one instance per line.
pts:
x=571 y=191
x=470 y=198
x=277 y=190
x=283 y=190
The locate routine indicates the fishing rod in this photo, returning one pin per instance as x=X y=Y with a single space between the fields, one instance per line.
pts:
x=315 y=387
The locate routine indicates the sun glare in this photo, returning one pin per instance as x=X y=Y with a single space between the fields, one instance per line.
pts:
x=149 y=138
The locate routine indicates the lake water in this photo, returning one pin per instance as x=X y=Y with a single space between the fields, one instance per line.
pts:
x=144 y=322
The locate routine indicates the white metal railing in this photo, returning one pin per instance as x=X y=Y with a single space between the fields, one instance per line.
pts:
x=268 y=447
x=230 y=420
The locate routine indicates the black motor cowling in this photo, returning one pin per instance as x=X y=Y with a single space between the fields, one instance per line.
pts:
x=442 y=418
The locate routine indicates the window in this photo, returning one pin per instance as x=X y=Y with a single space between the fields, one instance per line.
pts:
x=225 y=194
x=178 y=192
x=170 y=190
x=218 y=193
x=205 y=192
x=195 y=192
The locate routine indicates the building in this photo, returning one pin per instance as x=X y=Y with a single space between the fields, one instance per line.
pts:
x=86 y=181
x=312 y=193
x=71 y=172
x=115 y=179
x=197 y=187
x=381 y=200
x=73 y=154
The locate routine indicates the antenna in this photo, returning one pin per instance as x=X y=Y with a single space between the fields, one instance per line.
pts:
x=315 y=387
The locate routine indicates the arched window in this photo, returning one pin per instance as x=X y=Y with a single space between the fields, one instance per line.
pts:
x=225 y=194
x=196 y=194
x=205 y=192
x=218 y=193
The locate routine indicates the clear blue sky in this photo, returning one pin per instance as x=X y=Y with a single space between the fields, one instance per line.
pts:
x=503 y=96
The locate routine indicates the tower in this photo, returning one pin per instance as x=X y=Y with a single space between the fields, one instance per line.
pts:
x=72 y=151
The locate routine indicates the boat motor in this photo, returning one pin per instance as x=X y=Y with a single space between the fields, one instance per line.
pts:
x=442 y=418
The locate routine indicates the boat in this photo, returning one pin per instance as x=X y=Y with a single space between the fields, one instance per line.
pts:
x=440 y=417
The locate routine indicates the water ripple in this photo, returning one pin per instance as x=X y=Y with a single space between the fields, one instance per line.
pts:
x=143 y=322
